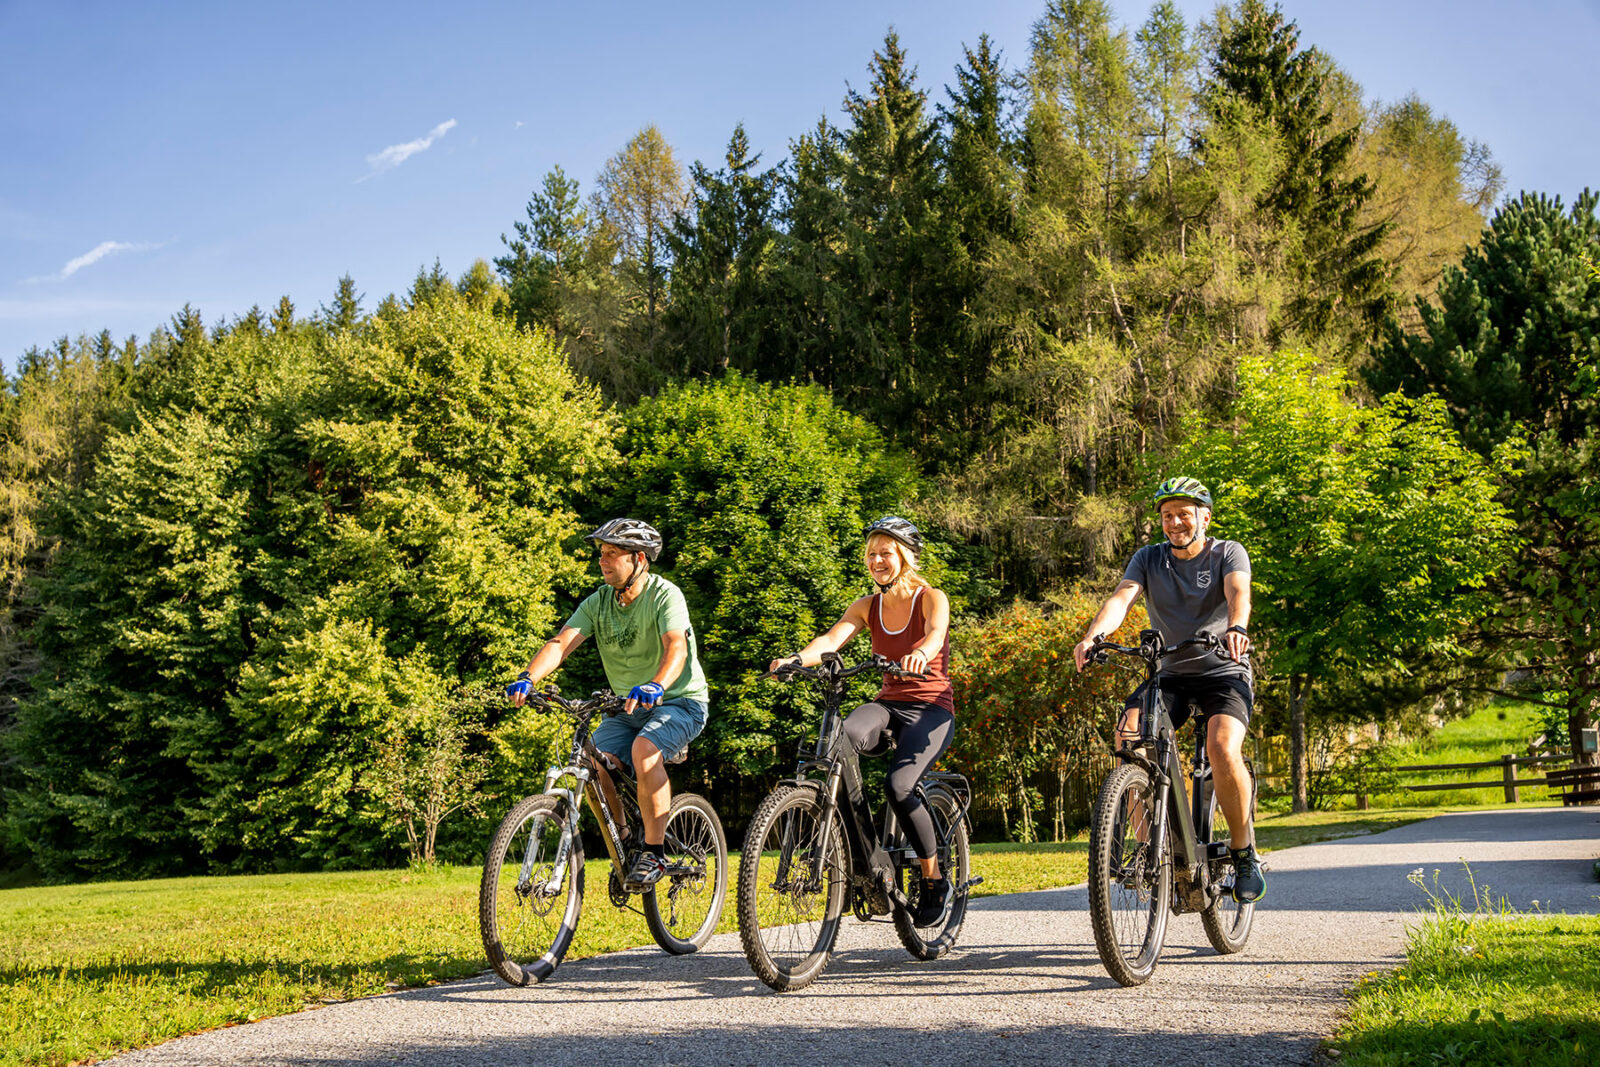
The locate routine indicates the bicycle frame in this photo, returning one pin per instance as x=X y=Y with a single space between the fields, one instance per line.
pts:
x=584 y=786
x=840 y=765
x=1191 y=824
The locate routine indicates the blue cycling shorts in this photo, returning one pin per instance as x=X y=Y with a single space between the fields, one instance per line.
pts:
x=670 y=726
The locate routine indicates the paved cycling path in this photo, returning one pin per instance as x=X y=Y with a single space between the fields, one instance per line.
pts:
x=1024 y=986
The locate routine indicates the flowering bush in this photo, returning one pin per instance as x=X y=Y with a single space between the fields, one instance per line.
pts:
x=1031 y=730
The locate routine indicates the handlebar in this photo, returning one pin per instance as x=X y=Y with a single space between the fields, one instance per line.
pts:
x=832 y=668
x=601 y=700
x=1150 y=647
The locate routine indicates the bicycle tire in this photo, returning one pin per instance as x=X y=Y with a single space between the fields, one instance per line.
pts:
x=955 y=861
x=1130 y=880
x=696 y=883
x=526 y=927
x=788 y=923
x=1227 y=922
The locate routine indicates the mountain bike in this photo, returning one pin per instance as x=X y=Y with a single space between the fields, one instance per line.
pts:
x=810 y=850
x=1149 y=853
x=532 y=889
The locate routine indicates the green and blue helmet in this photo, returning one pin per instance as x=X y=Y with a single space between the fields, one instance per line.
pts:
x=1181 y=489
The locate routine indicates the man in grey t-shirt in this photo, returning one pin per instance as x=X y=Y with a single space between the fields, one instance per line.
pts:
x=1194 y=584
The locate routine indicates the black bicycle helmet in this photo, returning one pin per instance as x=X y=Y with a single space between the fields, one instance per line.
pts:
x=1181 y=489
x=631 y=534
x=899 y=529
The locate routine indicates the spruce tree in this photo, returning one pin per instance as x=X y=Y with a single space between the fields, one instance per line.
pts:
x=1342 y=283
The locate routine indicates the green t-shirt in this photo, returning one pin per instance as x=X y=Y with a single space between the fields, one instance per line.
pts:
x=630 y=637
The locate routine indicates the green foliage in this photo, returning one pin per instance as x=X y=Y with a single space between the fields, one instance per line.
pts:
x=1028 y=720
x=424 y=771
x=302 y=536
x=721 y=252
x=1372 y=531
x=761 y=493
x=1259 y=64
x=1513 y=349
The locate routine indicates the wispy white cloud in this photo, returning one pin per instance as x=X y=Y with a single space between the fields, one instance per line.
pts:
x=397 y=154
x=89 y=258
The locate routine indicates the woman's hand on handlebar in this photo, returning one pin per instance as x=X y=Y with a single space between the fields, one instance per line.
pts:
x=784 y=663
x=914 y=662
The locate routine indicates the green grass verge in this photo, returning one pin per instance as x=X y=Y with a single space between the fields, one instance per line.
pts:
x=1493 y=990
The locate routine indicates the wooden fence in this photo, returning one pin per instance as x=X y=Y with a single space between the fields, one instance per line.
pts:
x=1509 y=781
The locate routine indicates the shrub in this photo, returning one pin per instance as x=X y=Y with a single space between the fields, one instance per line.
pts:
x=1029 y=725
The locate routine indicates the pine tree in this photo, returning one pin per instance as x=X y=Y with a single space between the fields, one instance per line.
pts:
x=1513 y=347
x=1342 y=283
x=721 y=251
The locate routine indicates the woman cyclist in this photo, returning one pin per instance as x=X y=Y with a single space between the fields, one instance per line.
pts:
x=910 y=622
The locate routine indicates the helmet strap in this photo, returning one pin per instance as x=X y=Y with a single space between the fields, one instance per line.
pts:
x=633 y=576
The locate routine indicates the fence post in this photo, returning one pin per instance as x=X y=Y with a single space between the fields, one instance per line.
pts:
x=1508 y=771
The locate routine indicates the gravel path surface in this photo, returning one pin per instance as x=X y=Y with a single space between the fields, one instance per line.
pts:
x=1024 y=986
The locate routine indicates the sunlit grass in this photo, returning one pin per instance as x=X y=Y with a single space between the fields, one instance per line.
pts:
x=1483 y=987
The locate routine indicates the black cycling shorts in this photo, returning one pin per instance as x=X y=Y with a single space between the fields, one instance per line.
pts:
x=1213 y=694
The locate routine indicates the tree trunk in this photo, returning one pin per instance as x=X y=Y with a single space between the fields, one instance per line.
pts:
x=1298 y=768
x=1583 y=707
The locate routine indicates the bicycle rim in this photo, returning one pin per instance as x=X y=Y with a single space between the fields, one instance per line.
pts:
x=791 y=893
x=954 y=853
x=683 y=909
x=1130 y=878
x=528 y=909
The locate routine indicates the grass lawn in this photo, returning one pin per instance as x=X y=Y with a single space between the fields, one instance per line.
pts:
x=1492 y=731
x=1492 y=990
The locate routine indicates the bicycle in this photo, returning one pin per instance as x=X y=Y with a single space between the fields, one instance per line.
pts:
x=1148 y=853
x=808 y=851
x=531 y=894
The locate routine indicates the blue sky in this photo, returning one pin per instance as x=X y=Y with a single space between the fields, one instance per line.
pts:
x=223 y=155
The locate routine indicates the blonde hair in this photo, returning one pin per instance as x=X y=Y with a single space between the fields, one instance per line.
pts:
x=910 y=577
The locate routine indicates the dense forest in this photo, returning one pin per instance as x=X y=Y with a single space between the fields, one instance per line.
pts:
x=257 y=568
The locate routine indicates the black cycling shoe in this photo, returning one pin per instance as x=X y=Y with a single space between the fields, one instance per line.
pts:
x=1249 y=884
x=647 y=869
x=931 y=902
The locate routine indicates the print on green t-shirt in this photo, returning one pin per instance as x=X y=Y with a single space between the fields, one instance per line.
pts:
x=630 y=637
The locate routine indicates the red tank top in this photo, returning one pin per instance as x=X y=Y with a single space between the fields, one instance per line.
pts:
x=896 y=644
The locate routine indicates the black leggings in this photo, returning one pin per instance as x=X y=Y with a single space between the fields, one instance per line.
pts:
x=920 y=734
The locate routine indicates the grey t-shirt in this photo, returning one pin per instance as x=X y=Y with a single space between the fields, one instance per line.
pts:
x=1184 y=597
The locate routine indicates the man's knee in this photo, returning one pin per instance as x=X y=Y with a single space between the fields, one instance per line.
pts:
x=644 y=750
x=1225 y=742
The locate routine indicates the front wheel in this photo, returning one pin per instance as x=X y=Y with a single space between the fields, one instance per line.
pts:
x=793 y=875
x=1130 y=877
x=684 y=908
x=532 y=890
x=955 y=863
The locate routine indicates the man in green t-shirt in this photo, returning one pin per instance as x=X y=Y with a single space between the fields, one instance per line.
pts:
x=641 y=624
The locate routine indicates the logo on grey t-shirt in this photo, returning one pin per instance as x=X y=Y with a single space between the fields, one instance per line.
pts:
x=1203 y=579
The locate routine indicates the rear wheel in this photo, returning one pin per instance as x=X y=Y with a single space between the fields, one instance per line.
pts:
x=683 y=909
x=792 y=888
x=532 y=891
x=954 y=854
x=1130 y=877
x=1226 y=921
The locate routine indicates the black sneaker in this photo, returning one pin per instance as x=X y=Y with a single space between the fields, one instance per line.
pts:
x=931 y=901
x=1249 y=885
x=648 y=869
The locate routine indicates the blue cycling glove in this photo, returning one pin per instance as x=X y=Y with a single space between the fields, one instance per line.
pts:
x=647 y=694
x=521 y=687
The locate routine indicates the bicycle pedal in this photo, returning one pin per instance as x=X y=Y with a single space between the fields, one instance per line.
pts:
x=970 y=882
